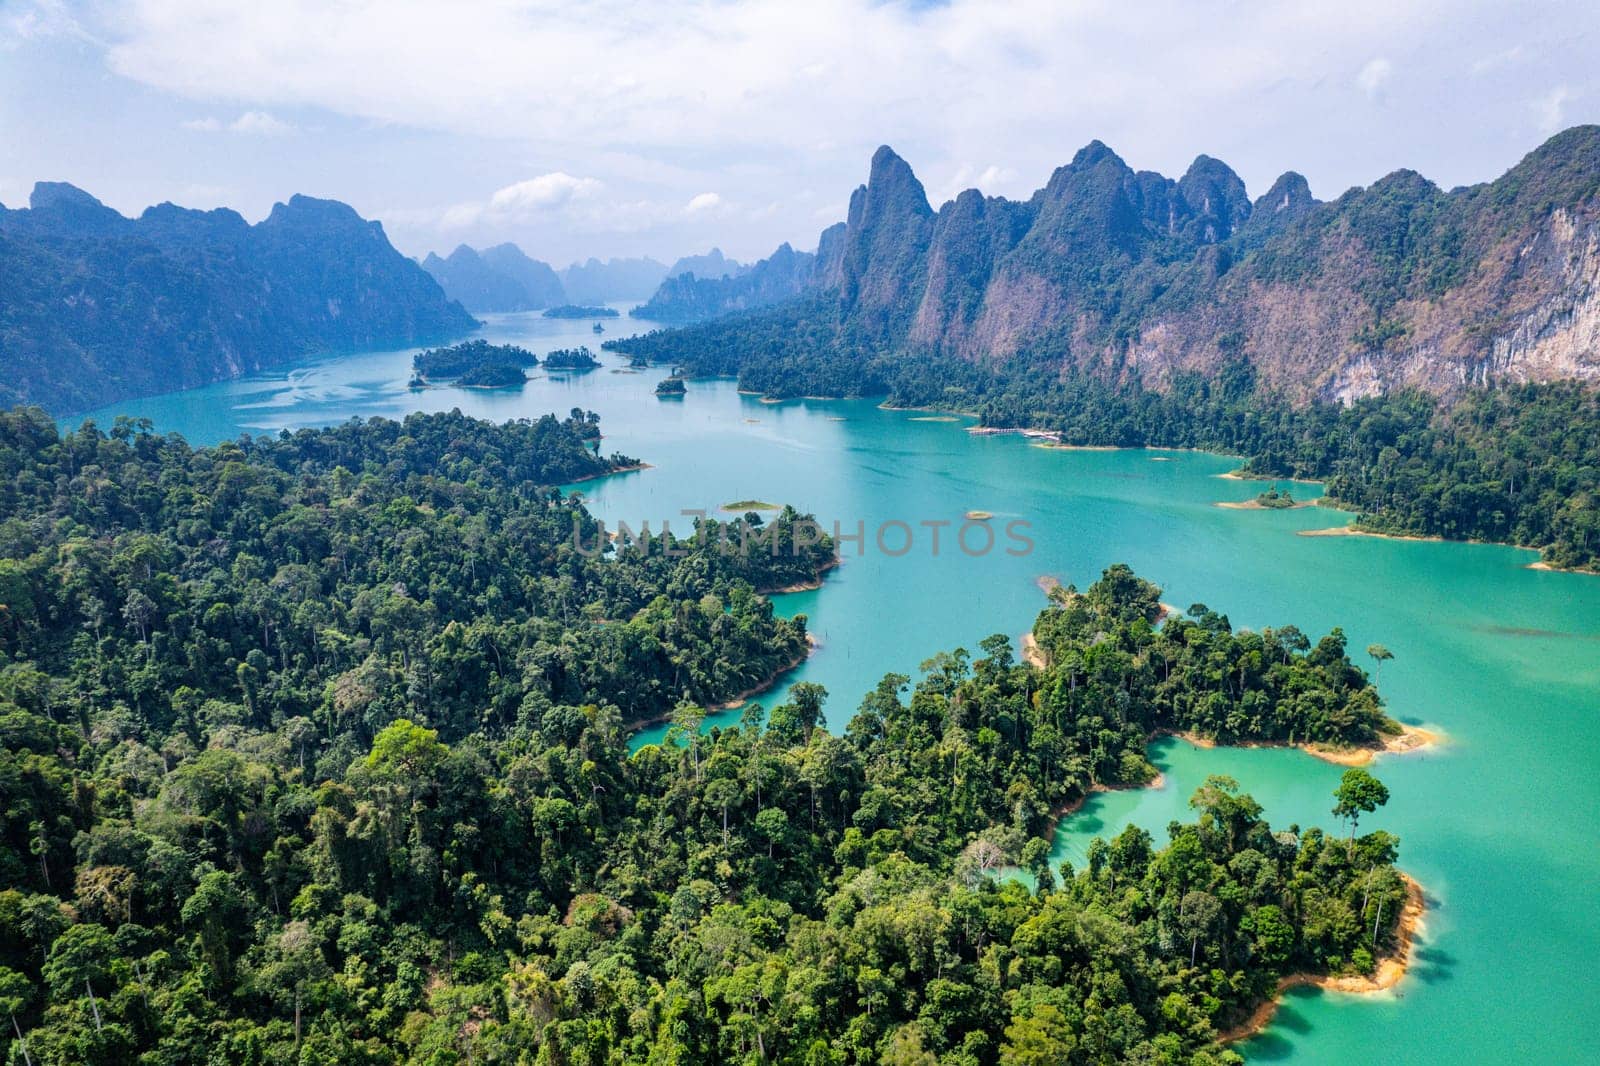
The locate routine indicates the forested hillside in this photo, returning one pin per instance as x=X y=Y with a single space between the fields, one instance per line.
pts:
x=314 y=750
x=96 y=307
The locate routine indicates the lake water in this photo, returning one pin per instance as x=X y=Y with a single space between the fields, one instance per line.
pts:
x=1500 y=825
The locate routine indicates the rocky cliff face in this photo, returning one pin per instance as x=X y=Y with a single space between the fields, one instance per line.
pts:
x=1131 y=274
x=96 y=307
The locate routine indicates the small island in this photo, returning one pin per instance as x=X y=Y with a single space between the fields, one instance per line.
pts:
x=579 y=311
x=487 y=365
x=571 y=359
x=1275 y=500
x=671 y=388
x=493 y=376
x=741 y=506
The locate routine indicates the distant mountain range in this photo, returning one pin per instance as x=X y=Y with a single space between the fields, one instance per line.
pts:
x=688 y=296
x=96 y=307
x=1130 y=275
x=597 y=282
x=501 y=278
x=712 y=264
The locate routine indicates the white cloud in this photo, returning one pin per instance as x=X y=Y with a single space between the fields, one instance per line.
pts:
x=251 y=123
x=541 y=193
x=706 y=201
x=1374 y=76
x=260 y=124
x=762 y=73
x=1506 y=57
x=520 y=201
x=766 y=100
x=1551 y=108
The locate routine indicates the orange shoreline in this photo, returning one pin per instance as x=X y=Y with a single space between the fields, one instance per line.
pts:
x=1352 y=531
x=1390 y=969
x=1409 y=739
x=802 y=586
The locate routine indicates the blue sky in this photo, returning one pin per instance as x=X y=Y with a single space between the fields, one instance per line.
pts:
x=622 y=127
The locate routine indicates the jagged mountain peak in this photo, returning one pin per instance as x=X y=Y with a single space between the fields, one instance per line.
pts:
x=1095 y=153
x=304 y=209
x=892 y=183
x=1217 y=196
x=1289 y=194
x=53 y=195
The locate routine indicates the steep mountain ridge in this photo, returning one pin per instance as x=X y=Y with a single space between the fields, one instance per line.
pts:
x=96 y=307
x=1130 y=275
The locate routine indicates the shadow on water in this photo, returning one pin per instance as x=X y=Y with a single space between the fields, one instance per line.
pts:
x=1085 y=822
x=1431 y=966
x=1280 y=1039
x=1268 y=1047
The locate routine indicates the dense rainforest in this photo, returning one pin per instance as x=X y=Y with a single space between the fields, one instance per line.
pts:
x=1515 y=463
x=313 y=749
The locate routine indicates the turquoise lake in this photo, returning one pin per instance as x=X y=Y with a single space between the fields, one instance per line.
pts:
x=1499 y=824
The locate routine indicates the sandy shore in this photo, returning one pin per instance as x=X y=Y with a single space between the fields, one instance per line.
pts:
x=935 y=418
x=607 y=473
x=744 y=697
x=1352 y=531
x=803 y=586
x=996 y=431
x=1387 y=974
x=1157 y=782
x=1549 y=569
x=1240 y=475
x=1409 y=739
x=1057 y=446
x=1257 y=505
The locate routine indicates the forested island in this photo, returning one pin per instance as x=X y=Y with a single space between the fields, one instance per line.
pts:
x=672 y=387
x=579 y=311
x=315 y=749
x=477 y=359
x=571 y=359
x=493 y=376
